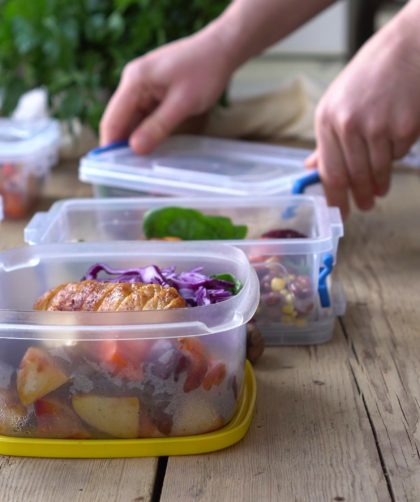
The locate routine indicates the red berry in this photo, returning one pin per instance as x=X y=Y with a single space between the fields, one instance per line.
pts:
x=283 y=233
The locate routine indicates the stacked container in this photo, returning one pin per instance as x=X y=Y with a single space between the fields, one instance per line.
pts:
x=194 y=166
x=200 y=167
x=89 y=384
x=297 y=304
x=28 y=150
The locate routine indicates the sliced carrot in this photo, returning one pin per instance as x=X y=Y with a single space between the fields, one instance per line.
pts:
x=197 y=362
x=215 y=375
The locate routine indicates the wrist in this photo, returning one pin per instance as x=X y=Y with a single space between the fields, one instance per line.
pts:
x=225 y=36
x=405 y=28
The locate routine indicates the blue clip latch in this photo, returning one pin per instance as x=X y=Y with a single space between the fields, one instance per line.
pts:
x=324 y=295
x=108 y=148
x=301 y=184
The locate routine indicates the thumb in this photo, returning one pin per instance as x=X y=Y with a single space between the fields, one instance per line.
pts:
x=173 y=110
x=311 y=162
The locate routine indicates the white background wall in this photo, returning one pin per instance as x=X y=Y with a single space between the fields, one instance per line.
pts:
x=324 y=35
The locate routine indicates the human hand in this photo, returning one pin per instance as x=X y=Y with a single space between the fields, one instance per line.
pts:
x=158 y=91
x=163 y=88
x=370 y=115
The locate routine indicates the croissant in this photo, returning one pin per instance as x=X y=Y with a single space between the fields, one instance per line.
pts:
x=99 y=296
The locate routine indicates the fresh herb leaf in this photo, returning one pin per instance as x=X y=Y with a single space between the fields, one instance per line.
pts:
x=237 y=284
x=81 y=47
x=190 y=225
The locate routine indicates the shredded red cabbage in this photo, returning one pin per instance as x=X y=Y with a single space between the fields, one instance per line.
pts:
x=195 y=287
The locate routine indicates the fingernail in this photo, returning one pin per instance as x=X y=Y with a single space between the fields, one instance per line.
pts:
x=141 y=143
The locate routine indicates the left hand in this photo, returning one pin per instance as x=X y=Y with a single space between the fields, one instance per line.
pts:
x=370 y=115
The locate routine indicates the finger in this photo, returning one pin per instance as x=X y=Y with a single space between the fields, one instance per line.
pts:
x=332 y=170
x=358 y=167
x=130 y=103
x=311 y=162
x=120 y=118
x=380 y=155
x=162 y=121
x=401 y=148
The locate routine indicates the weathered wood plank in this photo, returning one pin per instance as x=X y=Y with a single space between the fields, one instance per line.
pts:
x=44 y=480
x=310 y=439
x=380 y=267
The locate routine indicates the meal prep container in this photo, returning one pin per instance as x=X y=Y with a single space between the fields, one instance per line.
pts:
x=28 y=150
x=230 y=434
x=296 y=305
x=194 y=166
x=124 y=375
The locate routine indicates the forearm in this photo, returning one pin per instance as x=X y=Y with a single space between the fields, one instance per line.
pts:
x=249 y=26
x=405 y=25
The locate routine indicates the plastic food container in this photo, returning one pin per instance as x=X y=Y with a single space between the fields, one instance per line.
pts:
x=232 y=433
x=316 y=330
x=123 y=375
x=28 y=150
x=194 y=166
x=293 y=273
x=1 y=208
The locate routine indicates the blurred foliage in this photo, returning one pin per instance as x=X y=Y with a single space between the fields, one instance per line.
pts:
x=77 y=48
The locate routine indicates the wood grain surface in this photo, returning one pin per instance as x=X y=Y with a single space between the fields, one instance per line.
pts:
x=337 y=422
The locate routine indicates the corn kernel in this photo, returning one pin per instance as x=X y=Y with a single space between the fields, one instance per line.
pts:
x=278 y=284
x=289 y=298
x=288 y=309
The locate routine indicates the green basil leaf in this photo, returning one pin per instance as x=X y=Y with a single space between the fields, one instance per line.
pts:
x=237 y=284
x=190 y=225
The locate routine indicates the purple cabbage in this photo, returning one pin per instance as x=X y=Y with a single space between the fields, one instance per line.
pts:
x=195 y=287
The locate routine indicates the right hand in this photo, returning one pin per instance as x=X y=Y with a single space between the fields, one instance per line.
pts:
x=370 y=115
x=158 y=91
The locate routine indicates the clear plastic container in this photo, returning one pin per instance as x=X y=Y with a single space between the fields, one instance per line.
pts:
x=28 y=150
x=83 y=375
x=319 y=329
x=1 y=208
x=194 y=166
x=293 y=272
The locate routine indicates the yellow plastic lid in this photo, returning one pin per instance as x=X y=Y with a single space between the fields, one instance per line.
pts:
x=232 y=433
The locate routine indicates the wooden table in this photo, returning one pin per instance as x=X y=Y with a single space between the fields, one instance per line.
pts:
x=337 y=422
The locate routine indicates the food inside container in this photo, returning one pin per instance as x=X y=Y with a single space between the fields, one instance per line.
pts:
x=28 y=150
x=287 y=238
x=193 y=166
x=129 y=349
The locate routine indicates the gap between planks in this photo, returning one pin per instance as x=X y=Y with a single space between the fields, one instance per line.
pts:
x=310 y=440
x=380 y=266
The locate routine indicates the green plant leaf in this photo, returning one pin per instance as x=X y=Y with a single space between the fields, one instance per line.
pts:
x=237 y=284
x=190 y=225
x=81 y=47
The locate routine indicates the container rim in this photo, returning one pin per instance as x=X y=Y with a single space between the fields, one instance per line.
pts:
x=41 y=142
x=222 y=316
x=42 y=222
